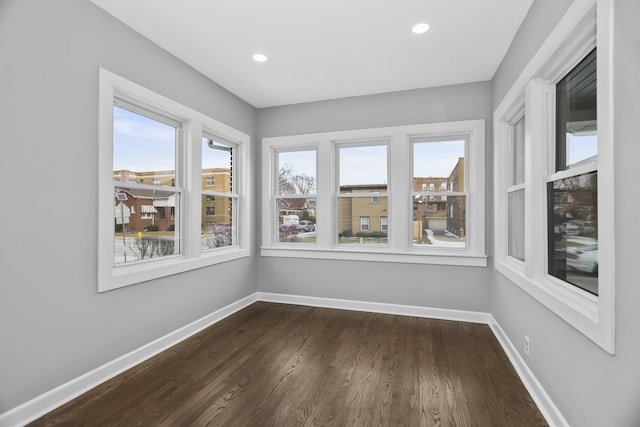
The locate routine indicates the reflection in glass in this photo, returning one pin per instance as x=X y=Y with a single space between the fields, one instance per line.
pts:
x=516 y=224
x=577 y=125
x=297 y=172
x=573 y=230
x=145 y=224
x=144 y=150
x=361 y=222
x=443 y=224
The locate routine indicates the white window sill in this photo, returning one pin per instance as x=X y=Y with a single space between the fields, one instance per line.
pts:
x=578 y=308
x=125 y=275
x=457 y=259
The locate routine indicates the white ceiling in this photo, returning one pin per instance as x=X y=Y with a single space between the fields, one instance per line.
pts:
x=324 y=49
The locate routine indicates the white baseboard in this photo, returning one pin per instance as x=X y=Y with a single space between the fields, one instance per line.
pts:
x=46 y=402
x=376 y=307
x=60 y=395
x=549 y=410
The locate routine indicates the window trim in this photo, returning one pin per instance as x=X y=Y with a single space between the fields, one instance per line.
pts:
x=400 y=217
x=193 y=126
x=572 y=39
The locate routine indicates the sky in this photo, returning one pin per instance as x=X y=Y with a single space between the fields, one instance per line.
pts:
x=368 y=164
x=141 y=144
x=581 y=147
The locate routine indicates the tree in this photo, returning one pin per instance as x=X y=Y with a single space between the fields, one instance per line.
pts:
x=294 y=183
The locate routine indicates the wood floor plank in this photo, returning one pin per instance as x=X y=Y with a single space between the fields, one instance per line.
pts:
x=285 y=365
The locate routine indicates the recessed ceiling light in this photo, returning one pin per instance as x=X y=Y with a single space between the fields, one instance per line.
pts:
x=420 y=28
x=258 y=57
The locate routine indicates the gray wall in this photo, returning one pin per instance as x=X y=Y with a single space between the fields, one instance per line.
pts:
x=462 y=288
x=54 y=325
x=590 y=387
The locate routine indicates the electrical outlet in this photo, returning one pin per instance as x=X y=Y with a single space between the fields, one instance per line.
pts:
x=527 y=345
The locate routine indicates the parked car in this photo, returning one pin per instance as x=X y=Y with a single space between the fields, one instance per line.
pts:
x=583 y=259
x=221 y=227
x=289 y=229
x=306 y=225
x=572 y=229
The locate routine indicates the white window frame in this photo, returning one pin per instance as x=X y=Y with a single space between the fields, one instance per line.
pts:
x=193 y=126
x=384 y=223
x=365 y=223
x=400 y=189
x=572 y=39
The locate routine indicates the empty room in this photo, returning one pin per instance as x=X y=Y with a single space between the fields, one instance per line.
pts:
x=347 y=213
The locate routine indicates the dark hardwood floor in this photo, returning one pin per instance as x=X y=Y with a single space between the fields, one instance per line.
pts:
x=286 y=365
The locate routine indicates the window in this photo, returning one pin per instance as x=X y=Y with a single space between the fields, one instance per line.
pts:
x=217 y=167
x=148 y=146
x=554 y=162
x=362 y=171
x=138 y=130
x=296 y=196
x=442 y=160
x=573 y=190
x=515 y=193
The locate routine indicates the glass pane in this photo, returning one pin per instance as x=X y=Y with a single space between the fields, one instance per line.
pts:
x=577 y=138
x=438 y=162
x=573 y=230
x=297 y=172
x=296 y=219
x=145 y=224
x=361 y=222
x=363 y=167
x=217 y=224
x=144 y=150
x=516 y=224
x=439 y=221
x=217 y=166
x=518 y=152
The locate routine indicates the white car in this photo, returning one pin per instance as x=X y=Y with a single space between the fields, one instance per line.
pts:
x=305 y=225
x=583 y=259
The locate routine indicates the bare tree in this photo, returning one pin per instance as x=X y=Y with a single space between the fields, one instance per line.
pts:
x=294 y=183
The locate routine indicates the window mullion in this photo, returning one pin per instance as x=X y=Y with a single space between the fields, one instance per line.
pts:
x=326 y=214
x=190 y=163
x=536 y=154
x=399 y=219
